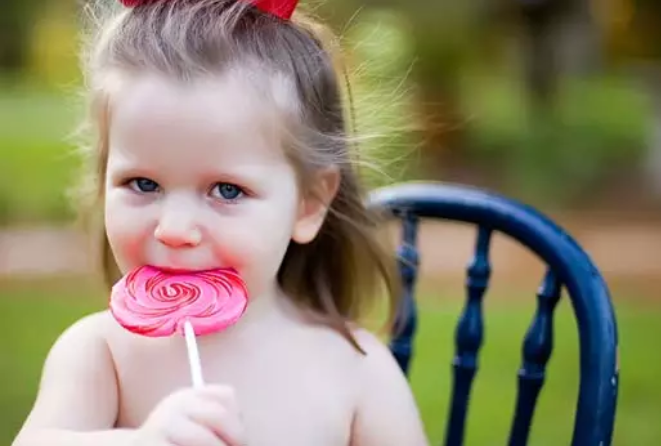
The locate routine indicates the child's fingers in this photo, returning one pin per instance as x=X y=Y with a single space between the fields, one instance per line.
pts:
x=222 y=394
x=186 y=432
x=219 y=419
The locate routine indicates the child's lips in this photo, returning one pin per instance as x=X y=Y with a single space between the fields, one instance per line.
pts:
x=178 y=269
x=185 y=270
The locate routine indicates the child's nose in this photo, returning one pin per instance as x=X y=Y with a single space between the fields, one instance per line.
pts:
x=177 y=230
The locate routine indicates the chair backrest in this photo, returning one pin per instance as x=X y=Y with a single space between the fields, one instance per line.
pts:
x=568 y=266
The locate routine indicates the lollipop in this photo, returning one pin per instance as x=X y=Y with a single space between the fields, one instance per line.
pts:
x=155 y=303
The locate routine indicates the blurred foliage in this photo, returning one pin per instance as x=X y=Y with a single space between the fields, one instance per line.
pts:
x=382 y=113
x=15 y=33
x=632 y=28
x=434 y=84
x=52 y=52
x=596 y=126
x=38 y=161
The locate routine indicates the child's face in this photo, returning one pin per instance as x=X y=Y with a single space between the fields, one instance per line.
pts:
x=196 y=179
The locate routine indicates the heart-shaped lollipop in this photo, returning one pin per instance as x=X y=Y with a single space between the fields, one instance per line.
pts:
x=156 y=303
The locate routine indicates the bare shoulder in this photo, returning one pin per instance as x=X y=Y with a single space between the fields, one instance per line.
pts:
x=85 y=337
x=378 y=361
x=88 y=335
x=386 y=412
x=78 y=389
x=91 y=326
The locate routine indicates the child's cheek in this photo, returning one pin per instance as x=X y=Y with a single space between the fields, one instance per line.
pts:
x=128 y=251
x=230 y=251
x=250 y=253
x=127 y=242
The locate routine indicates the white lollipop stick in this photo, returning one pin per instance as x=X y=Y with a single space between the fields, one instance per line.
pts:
x=193 y=356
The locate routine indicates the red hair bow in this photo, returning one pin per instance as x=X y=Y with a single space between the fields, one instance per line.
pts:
x=279 y=8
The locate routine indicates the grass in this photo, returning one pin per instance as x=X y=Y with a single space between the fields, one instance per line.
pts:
x=493 y=397
x=54 y=305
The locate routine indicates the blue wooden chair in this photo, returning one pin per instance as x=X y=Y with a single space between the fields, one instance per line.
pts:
x=568 y=266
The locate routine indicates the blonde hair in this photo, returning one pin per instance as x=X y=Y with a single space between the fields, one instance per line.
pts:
x=345 y=268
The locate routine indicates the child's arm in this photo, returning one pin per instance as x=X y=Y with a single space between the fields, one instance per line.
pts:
x=77 y=400
x=387 y=414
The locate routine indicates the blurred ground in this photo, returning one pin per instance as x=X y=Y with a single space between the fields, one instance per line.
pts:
x=622 y=250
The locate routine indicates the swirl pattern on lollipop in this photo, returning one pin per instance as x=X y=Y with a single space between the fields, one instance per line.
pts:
x=155 y=303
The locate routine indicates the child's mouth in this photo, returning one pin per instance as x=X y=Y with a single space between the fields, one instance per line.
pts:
x=185 y=270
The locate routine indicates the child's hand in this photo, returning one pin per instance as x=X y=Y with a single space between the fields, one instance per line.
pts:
x=194 y=417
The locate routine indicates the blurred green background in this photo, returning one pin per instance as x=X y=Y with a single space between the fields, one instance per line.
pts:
x=557 y=103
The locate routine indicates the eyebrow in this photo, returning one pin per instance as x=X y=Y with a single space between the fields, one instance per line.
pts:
x=126 y=167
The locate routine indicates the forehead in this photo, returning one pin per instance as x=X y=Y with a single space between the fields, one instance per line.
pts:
x=215 y=119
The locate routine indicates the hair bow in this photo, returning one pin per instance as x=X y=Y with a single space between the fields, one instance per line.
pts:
x=279 y=8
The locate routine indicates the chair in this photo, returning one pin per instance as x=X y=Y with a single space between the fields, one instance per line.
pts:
x=568 y=266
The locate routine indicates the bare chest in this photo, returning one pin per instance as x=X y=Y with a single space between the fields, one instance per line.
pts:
x=285 y=398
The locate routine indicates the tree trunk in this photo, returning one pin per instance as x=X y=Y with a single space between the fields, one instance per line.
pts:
x=15 y=27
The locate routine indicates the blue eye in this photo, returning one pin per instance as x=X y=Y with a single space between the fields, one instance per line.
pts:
x=144 y=185
x=228 y=191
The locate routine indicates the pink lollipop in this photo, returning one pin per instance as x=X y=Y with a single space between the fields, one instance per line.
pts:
x=156 y=303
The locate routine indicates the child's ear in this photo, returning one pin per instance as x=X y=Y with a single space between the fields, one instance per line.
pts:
x=314 y=205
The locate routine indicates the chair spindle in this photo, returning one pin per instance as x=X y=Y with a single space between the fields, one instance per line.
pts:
x=537 y=349
x=406 y=322
x=468 y=337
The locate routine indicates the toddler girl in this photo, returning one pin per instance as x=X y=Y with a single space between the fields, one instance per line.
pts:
x=221 y=141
